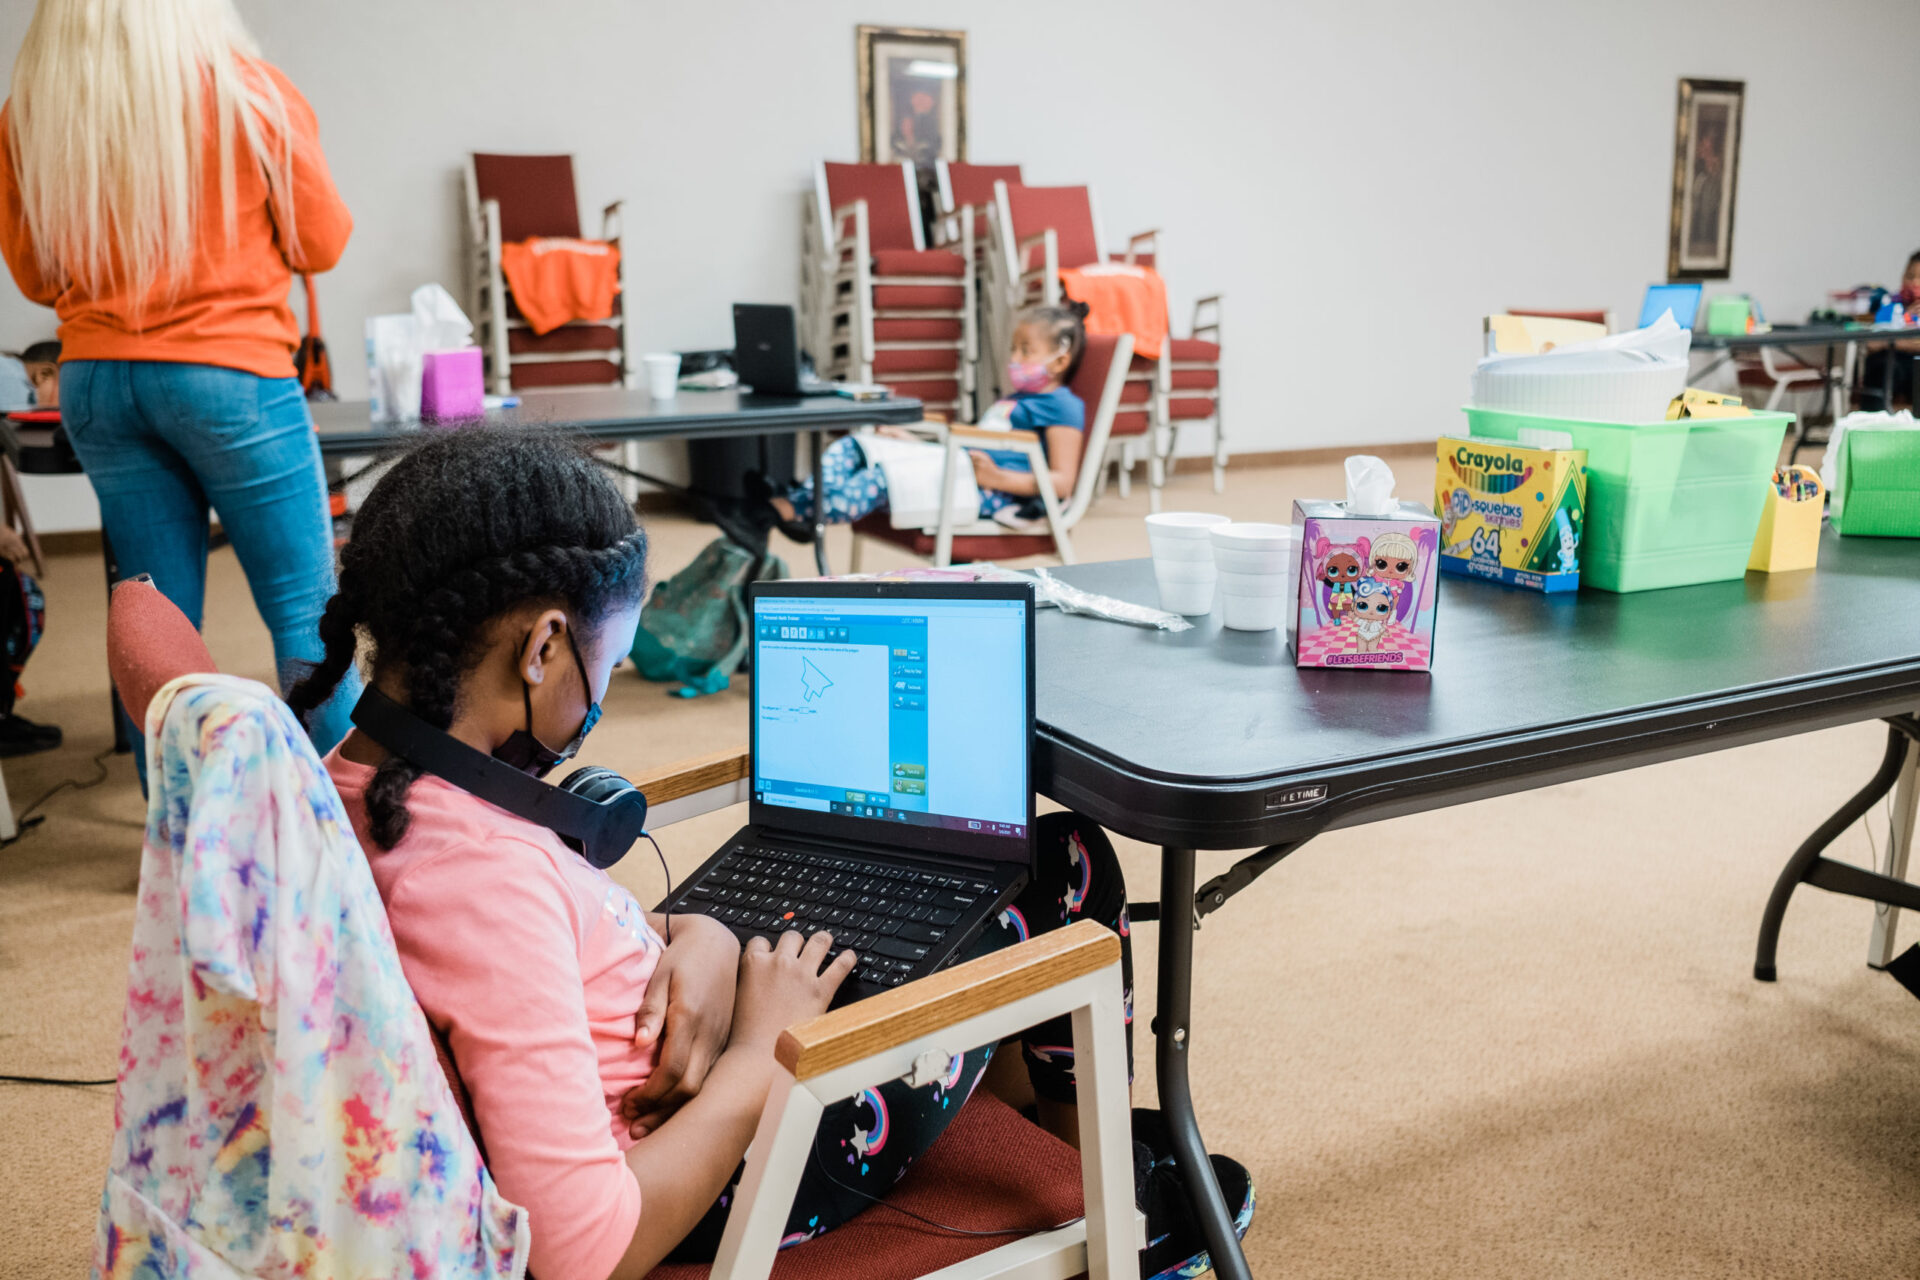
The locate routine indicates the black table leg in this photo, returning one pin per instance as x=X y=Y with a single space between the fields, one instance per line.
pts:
x=121 y=743
x=1806 y=866
x=817 y=443
x=1172 y=1042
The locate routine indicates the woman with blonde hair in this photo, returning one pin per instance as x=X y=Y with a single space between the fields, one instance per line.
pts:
x=159 y=184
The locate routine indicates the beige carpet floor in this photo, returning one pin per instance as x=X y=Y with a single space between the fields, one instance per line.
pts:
x=1516 y=1038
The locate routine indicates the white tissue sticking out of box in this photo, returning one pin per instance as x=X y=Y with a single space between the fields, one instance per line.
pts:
x=1623 y=377
x=1369 y=486
x=397 y=347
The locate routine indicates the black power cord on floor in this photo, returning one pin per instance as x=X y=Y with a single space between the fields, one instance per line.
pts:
x=24 y=821
x=72 y=1084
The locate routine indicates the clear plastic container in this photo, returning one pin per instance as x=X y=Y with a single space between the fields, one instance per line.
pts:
x=1669 y=504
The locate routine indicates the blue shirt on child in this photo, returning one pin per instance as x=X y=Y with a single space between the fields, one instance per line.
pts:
x=1036 y=411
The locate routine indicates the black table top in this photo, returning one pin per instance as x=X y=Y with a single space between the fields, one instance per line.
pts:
x=1214 y=739
x=1794 y=335
x=618 y=413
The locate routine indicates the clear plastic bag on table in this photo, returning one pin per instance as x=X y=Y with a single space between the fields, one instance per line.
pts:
x=1048 y=590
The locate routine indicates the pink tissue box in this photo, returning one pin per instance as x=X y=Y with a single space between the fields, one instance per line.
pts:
x=452 y=385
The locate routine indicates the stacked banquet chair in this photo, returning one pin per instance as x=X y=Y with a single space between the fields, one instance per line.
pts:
x=965 y=193
x=1034 y=233
x=877 y=305
x=963 y=537
x=512 y=198
x=225 y=878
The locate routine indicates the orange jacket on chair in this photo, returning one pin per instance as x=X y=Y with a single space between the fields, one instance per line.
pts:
x=555 y=279
x=1122 y=298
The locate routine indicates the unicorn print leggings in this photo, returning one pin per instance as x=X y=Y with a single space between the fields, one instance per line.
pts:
x=850 y=489
x=867 y=1143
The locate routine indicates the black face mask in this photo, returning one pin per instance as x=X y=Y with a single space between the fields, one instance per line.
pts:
x=527 y=753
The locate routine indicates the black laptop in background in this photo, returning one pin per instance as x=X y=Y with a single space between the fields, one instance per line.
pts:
x=892 y=791
x=766 y=352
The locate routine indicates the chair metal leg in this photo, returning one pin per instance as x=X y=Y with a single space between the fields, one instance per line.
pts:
x=1173 y=1040
x=817 y=446
x=1893 y=864
x=1806 y=864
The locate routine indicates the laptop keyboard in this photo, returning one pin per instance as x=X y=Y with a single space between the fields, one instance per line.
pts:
x=890 y=915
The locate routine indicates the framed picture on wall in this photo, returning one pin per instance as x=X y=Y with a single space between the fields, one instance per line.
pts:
x=1706 y=171
x=913 y=95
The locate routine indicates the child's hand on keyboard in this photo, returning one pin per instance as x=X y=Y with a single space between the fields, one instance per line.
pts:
x=783 y=984
x=688 y=1009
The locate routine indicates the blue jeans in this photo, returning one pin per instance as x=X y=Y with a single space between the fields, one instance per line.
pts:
x=162 y=442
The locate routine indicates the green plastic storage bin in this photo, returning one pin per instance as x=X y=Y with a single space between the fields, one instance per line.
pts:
x=1880 y=484
x=1669 y=504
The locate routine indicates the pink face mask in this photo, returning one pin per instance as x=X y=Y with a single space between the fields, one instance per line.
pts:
x=1028 y=376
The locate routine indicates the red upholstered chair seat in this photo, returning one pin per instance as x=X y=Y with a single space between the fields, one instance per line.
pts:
x=1756 y=376
x=566 y=373
x=1180 y=407
x=918 y=262
x=916 y=360
x=1193 y=379
x=924 y=297
x=1184 y=351
x=916 y=329
x=965 y=549
x=927 y=390
x=991 y=1170
x=1129 y=424
x=1136 y=391
x=585 y=337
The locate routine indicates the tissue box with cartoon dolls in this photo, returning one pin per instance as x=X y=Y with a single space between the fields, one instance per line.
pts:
x=1367 y=587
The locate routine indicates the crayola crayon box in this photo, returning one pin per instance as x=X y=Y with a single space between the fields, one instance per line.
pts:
x=1510 y=512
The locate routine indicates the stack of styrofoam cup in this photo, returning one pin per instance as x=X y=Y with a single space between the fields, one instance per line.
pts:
x=1251 y=560
x=1183 y=559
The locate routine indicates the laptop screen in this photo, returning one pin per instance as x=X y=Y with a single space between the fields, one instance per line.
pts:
x=1681 y=299
x=904 y=718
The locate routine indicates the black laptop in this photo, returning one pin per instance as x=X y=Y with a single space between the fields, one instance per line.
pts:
x=766 y=352
x=892 y=791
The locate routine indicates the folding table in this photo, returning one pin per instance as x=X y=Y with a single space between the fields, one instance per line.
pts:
x=1212 y=739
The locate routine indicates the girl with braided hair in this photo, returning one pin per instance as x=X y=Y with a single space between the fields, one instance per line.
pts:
x=615 y=1079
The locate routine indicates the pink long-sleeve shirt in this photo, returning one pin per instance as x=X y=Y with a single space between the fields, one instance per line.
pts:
x=532 y=963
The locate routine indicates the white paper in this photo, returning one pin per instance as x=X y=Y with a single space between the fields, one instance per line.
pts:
x=1369 y=486
x=913 y=469
x=1623 y=377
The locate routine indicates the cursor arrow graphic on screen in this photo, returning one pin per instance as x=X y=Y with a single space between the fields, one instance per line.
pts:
x=813 y=679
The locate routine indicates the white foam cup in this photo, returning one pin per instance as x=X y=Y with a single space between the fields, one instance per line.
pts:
x=1188 y=598
x=1251 y=613
x=663 y=374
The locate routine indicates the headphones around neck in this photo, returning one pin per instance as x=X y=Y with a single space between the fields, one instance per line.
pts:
x=595 y=811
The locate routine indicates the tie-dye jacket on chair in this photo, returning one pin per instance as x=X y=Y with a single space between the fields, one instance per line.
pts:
x=281 y=1112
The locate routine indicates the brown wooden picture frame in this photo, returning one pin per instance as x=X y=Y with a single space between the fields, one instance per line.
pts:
x=949 y=113
x=1708 y=123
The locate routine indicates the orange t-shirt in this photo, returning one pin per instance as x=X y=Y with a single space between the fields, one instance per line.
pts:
x=232 y=309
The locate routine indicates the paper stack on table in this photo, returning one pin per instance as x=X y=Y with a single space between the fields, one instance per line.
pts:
x=1623 y=377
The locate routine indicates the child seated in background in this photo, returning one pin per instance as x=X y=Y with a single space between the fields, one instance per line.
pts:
x=42 y=360
x=1048 y=343
x=1874 y=382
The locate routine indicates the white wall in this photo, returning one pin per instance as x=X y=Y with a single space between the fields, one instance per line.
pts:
x=1364 y=180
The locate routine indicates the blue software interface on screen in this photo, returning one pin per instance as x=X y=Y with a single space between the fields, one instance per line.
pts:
x=910 y=711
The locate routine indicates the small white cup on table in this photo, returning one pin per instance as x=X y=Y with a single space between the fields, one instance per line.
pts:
x=1252 y=562
x=1183 y=559
x=663 y=374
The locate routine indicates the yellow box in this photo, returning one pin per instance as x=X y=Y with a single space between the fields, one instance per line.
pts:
x=1789 y=534
x=1510 y=512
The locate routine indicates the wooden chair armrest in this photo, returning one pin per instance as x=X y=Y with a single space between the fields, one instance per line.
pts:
x=994 y=437
x=694 y=787
x=941 y=1000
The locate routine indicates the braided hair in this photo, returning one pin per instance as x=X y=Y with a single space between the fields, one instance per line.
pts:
x=466 y=526
x=1065 y=324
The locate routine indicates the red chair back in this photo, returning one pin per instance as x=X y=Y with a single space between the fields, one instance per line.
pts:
x=893 y=201
x=1067 y=210
x=1090 y=380
x=149 y=642
x=972 y=184
x=536 y=194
